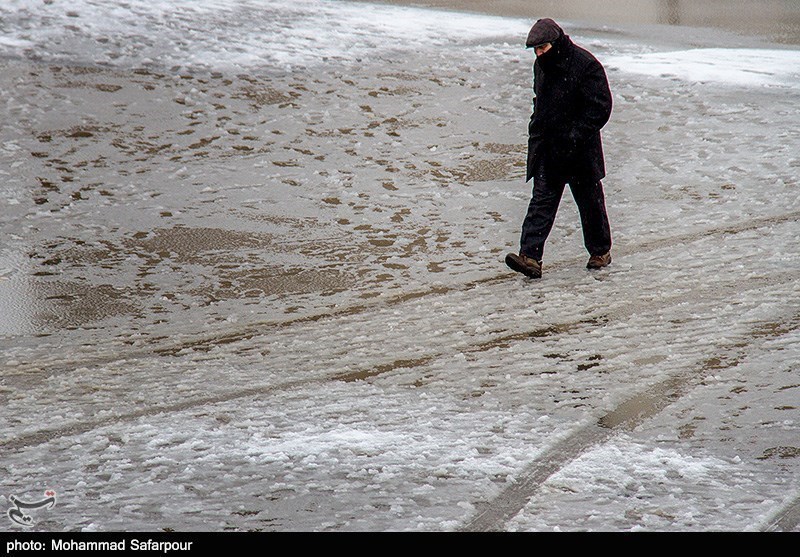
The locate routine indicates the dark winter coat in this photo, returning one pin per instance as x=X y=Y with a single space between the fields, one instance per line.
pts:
x=572 y=102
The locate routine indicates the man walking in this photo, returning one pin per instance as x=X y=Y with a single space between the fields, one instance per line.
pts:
x=572 y=102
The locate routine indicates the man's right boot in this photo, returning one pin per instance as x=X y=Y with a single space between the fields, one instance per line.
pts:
x=528 y=266
x=599 y=261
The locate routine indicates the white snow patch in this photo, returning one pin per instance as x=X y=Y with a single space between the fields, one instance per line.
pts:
x=630 y=465
x=235 y=33
x=749 y=67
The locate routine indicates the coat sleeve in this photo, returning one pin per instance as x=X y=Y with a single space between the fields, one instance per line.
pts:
x=534 y=143
x=534 y=133
x=597 y=104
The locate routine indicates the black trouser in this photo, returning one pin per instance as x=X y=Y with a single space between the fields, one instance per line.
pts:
x=543 y=207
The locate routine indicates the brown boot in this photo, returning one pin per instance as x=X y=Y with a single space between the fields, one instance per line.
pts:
x=528 y=266
x=599 y=261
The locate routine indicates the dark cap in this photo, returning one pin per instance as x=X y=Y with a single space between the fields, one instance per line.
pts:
x=543 y=31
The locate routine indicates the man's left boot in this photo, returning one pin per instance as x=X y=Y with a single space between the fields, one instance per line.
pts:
x=528 y=266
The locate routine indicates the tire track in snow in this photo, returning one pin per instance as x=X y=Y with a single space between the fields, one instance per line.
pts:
x=77 y=428
x=786 y=519
x=626 y=416
x=259 y=328
x=707 y=291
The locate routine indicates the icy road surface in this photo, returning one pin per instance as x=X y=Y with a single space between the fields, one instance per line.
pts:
x=251 y=276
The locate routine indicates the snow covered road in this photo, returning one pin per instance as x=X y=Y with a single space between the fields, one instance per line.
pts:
x=250 y=288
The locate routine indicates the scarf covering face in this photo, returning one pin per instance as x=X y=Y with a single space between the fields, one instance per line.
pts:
x=554 y=59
